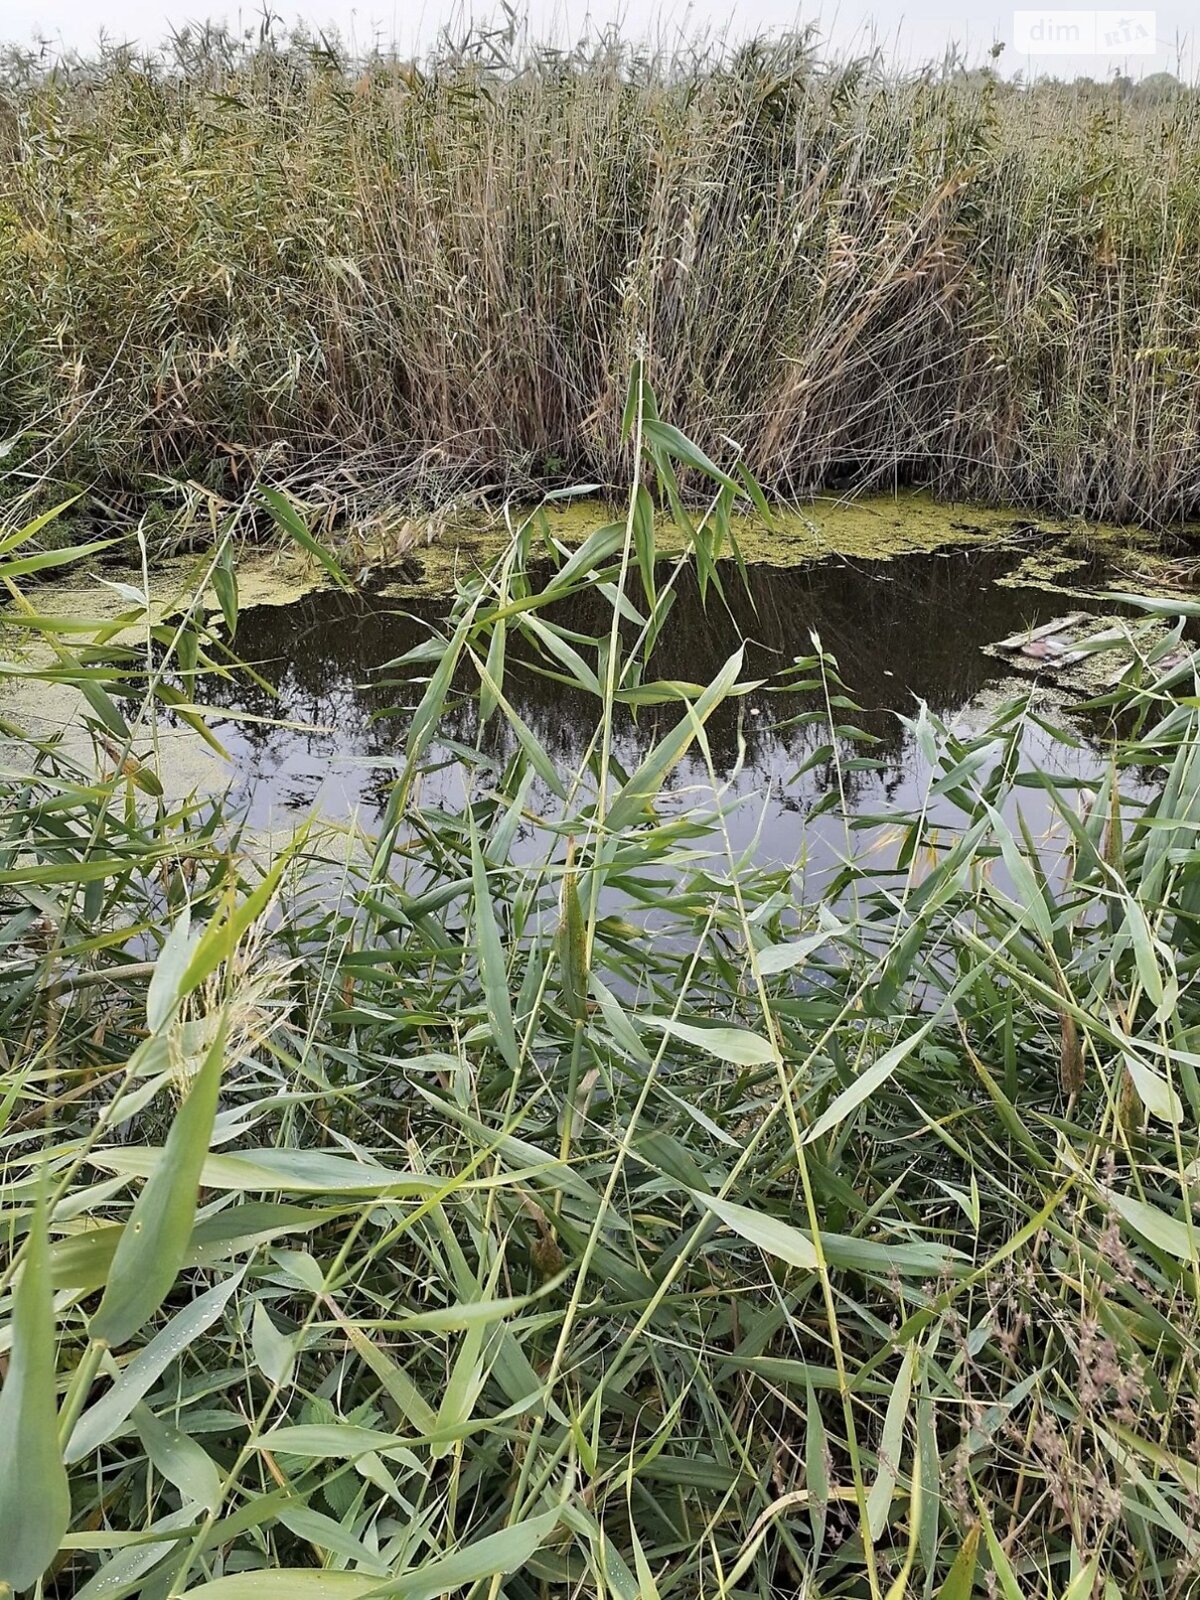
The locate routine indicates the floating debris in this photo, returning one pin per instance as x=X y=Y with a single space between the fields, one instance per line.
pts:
x=1051 y=649
x=1077 y=650
x=1053 y=629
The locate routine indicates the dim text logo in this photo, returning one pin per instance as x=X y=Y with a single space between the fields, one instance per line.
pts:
x=1084 y=33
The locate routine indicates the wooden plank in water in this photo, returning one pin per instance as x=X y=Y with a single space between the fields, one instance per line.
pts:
x=1017 y=641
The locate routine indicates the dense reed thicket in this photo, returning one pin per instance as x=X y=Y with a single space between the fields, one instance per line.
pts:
x=540 y=1188
x=263 y=257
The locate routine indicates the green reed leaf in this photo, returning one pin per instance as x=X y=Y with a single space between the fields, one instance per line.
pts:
x=35 y=1499
x=159 y=1228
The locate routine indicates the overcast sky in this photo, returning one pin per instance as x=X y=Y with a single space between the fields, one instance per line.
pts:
x=1162 y=40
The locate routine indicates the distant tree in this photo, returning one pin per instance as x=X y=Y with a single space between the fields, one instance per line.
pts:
x=1158 y=86
x=978 y=77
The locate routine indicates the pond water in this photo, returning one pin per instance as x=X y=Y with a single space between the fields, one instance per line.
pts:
x=905 y=630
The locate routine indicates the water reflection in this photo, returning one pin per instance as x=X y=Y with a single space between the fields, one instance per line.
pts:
x=905 y=630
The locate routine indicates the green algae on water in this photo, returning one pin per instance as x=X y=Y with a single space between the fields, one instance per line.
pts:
x=868 y=528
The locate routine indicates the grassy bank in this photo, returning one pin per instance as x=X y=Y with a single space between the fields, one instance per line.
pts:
x=537 y=1188
x=396 y=279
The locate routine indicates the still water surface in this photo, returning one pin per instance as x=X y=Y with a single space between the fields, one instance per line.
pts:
x=903 y=631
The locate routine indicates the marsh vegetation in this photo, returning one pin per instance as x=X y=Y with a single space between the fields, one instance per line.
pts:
x=540 y=1192
x=385 y=278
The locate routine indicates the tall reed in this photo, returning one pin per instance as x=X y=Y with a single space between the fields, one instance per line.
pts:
x=424 y=279
x=539 y=1197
